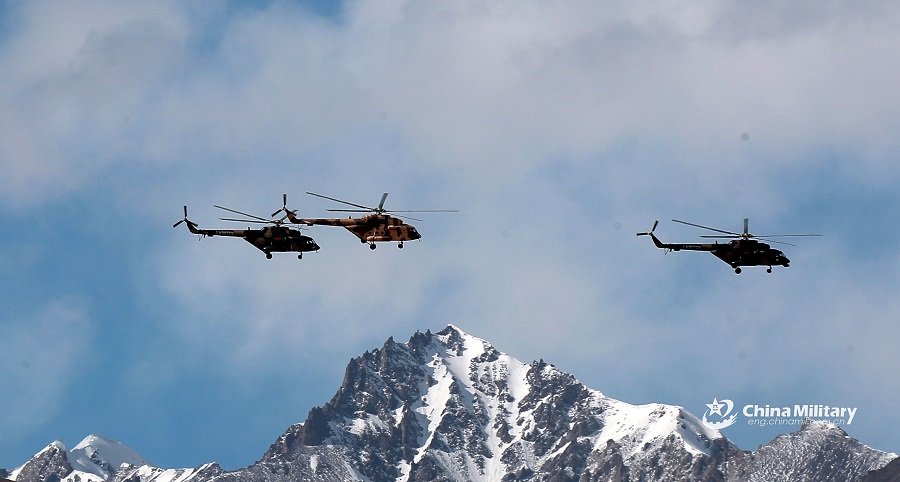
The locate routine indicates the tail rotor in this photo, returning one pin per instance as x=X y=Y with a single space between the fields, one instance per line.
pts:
x=649 y=233
x=284 y=208
x=656 y=241
x=185 y=220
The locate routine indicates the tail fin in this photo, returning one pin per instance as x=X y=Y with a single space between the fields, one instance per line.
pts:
x=656 y=240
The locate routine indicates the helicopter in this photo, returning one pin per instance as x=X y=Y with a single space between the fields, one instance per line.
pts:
x=268 y=239
x=371 y=228
x=743 y=250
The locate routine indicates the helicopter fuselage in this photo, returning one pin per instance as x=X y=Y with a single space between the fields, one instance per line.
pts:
x=739 y=253
x=370 y=228
x=270 y=239
x=379 y=226
x=736 y=253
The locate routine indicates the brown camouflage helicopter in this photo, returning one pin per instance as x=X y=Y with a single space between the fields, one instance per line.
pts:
x=268 y=239
x=372 y=228
x=744 y=250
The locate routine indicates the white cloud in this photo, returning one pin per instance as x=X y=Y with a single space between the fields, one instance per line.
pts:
x=78 y=78
x=559 y=130
x=45 y=352
x=492 y=88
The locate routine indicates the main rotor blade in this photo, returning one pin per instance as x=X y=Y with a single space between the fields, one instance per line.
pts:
x=784 y=235
x=380 y=209
x=394 y=212
x=707 y=227
x=242 y=214
x=340 y=201
x=778 y=242
x=751 y=236
x=423 y=211
x=250 y=221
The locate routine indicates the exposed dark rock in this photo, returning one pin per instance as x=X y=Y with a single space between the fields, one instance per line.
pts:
x=888 y=473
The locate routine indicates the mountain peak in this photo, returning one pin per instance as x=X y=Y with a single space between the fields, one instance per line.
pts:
x=450 y=403
x=456 y=339
x=820 y=450
x=811 y=425
x=101 y=456
x=452 y=327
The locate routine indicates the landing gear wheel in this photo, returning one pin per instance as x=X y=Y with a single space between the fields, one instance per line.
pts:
x=372 y=246
x=737 y=270
x=268 y=255
x=769 y=269
x=400 y=245
x=300 y=256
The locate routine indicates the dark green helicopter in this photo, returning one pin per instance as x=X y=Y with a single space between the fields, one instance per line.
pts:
x=275 y=238
x=743 y=250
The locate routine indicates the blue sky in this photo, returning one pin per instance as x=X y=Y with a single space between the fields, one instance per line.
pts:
x=557 y=129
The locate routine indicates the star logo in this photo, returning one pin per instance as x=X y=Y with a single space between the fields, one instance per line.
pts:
x=715 y=408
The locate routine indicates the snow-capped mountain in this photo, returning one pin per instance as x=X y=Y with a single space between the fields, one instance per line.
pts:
x=94 y=459
x=449 y=406
x=100 y=459
x=799 y=456
x=101 y=456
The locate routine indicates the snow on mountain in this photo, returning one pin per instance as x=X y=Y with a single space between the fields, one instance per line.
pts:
x=100 y=456
x=519 y=400
x=449 y=406
x=51 y=463
x=94 y=459
x=99 y=459
x=146 y=473
x=818 y=451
